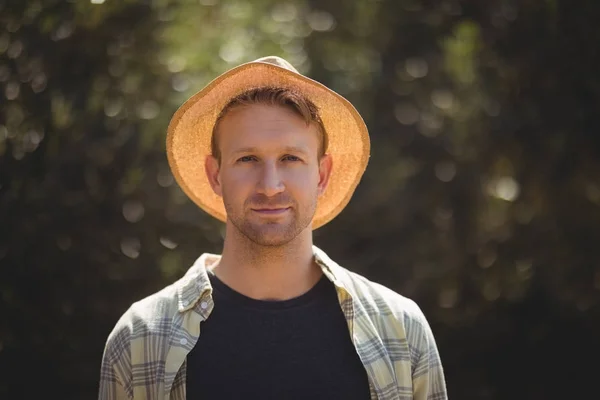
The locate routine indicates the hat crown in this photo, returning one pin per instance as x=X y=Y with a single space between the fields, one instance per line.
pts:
x=278 y=61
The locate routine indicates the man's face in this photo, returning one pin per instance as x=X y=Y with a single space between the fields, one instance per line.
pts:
x=270 y=174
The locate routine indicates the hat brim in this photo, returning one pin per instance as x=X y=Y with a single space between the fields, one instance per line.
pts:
x=189 y=136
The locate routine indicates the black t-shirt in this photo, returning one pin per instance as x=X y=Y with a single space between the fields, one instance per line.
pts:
x=292 y=349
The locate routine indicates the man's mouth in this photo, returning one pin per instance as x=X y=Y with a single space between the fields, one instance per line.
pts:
x=270 y=211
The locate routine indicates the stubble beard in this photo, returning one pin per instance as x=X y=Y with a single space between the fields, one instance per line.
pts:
x=271 y=234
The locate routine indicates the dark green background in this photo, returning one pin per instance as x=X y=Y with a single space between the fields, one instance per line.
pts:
x=481 y=200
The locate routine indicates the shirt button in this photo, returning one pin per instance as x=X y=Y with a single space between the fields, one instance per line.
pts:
x=183 y=341
x=204 y=305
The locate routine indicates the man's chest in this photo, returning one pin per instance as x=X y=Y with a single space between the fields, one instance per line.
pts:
x=298 y=351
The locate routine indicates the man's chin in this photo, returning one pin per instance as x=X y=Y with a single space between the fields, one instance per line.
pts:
x=271 y=236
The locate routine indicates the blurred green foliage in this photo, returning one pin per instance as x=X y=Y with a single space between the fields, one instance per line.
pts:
x=481 y=200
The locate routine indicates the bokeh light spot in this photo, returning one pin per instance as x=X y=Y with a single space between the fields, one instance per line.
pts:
x=284 y=12
x=321 y=21
x=448 y=297
x=445 y=171
x=133 y=211
x=505 y=188
x=168 y=243
x=148 y=110
x=416 y=67
x=406 y=113
x=443 y=99
x=131 y=247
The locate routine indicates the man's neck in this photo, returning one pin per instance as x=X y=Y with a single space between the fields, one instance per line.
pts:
x=268 y=272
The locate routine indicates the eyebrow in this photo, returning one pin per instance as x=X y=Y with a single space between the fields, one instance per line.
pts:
x=290 y=149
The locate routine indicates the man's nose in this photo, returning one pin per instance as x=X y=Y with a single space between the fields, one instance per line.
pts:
x=270 y=181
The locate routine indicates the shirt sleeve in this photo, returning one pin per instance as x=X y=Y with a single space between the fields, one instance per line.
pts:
x=428 y=375
x=116 y=361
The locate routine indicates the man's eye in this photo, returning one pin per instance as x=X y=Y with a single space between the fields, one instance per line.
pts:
x=289 y=157
x=246 y=159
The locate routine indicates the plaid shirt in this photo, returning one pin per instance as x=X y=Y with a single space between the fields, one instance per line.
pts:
x=145 y=354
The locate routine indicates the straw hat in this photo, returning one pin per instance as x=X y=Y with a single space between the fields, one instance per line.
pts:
x=190 y=130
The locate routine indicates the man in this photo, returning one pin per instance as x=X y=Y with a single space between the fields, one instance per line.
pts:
x=273 y=317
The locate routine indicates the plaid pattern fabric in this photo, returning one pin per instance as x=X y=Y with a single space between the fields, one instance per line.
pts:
x=145 y=354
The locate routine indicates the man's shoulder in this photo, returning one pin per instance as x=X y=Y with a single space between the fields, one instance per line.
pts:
x=391 y=314
x=145 y=317
x=382 y=298
x=374 y=298
x=156 y=306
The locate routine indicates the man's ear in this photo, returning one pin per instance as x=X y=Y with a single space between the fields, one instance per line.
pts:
x=211 y=168
x=325 y=167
